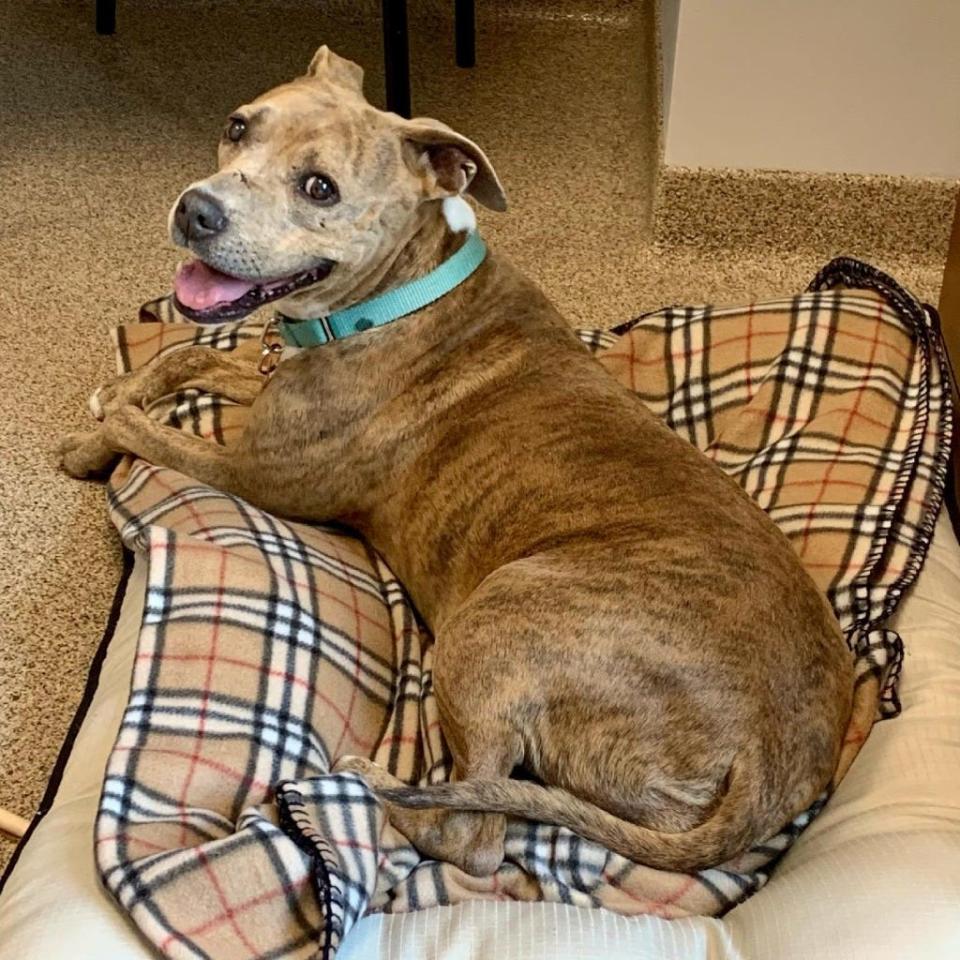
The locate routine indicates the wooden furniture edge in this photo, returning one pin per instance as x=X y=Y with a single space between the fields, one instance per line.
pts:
x=949 y=309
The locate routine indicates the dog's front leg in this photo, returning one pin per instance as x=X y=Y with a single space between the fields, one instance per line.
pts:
x=89 y=453
x=229 y=375
x=129 y=430
x=265 y=478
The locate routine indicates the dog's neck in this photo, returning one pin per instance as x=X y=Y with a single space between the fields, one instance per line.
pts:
x=428 y=243
x=429 y=246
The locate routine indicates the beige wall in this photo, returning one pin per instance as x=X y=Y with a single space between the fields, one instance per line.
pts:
x=669 y=21
x=864 y=86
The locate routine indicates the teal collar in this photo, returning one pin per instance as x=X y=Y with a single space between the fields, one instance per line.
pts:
x=390 y=305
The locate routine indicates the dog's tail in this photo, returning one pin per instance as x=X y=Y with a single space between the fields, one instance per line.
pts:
x=727 y=832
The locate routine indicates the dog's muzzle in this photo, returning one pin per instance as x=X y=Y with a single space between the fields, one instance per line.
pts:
x=199 y=216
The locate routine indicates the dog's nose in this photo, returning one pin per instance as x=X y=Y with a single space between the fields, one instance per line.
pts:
x=199 y=216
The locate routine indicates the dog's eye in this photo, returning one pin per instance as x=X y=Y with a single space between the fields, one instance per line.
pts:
x=319 y=187
x=236 y=128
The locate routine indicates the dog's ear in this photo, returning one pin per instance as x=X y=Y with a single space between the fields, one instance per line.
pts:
x=452 y=163
x=326 y=65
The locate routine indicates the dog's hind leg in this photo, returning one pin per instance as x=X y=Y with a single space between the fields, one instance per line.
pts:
x=471 y=840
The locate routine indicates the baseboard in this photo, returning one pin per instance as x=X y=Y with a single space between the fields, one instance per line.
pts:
x=869 y=216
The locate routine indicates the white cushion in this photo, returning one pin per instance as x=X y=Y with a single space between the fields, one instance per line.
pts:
x=877 y=876
x=52 y=905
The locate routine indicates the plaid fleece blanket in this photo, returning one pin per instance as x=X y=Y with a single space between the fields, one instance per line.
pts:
x=270 y=649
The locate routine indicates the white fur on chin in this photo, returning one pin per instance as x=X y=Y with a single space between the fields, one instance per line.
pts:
x=459 y=214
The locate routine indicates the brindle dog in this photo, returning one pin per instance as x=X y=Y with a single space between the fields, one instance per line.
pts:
x=611 y=611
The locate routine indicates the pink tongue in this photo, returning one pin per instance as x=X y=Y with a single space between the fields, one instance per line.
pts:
x=201 y=287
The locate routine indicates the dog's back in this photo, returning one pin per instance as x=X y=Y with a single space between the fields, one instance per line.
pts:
x=602 y=588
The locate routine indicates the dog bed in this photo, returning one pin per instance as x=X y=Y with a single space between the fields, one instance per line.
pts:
x=831 y=409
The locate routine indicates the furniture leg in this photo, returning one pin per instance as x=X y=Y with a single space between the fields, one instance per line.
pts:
x=106 y=16
x=950 y=325
x=465 y=25
x=396 y=56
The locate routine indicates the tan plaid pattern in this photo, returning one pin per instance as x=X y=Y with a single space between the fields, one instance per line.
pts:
x=269 y=649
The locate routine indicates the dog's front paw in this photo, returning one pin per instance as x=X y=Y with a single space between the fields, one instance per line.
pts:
x=85 y=454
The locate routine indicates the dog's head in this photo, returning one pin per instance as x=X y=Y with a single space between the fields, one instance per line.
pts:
x=314 y=192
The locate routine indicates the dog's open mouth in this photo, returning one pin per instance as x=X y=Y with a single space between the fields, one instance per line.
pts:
x=208 y=296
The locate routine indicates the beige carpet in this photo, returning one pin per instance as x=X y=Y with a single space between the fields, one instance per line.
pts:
x=97 y=135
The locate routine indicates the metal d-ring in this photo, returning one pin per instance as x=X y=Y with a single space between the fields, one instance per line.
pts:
x=270 y=349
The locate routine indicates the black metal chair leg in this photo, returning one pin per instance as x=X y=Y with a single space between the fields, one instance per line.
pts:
x=396 y=56
x=106 y=18
x=465 y=24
